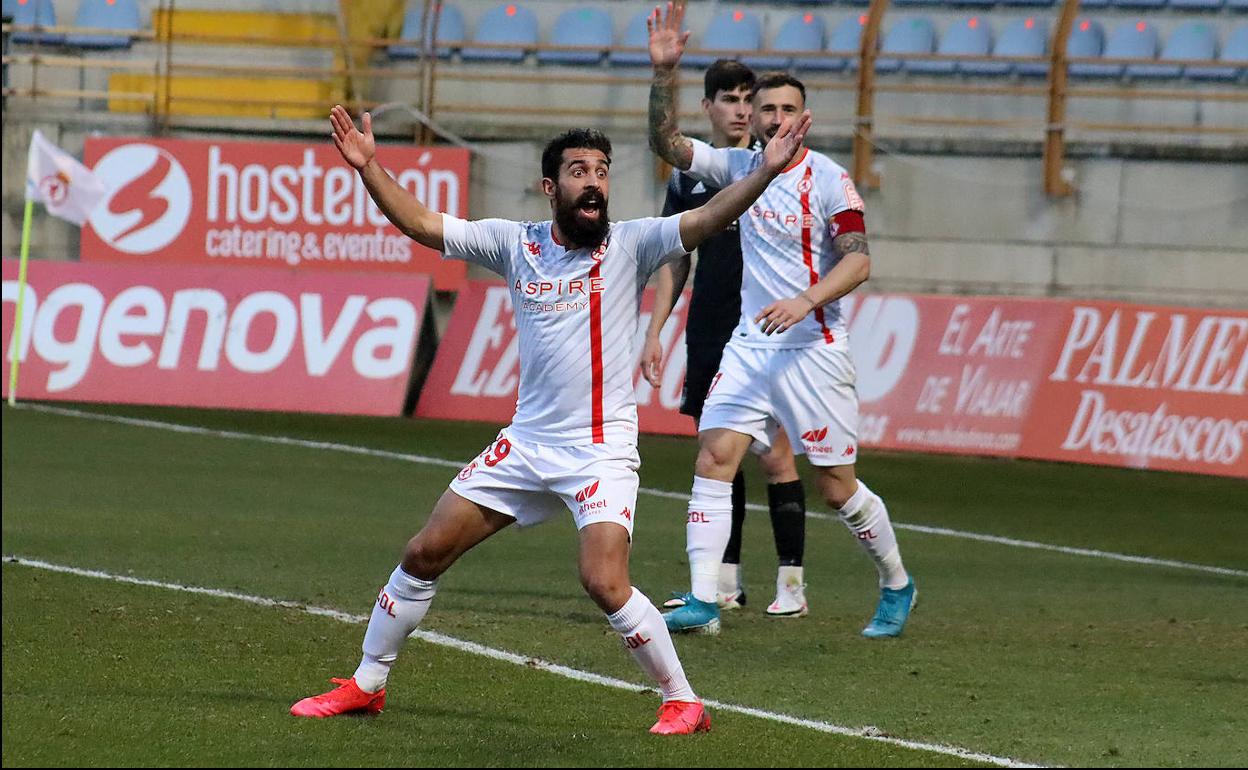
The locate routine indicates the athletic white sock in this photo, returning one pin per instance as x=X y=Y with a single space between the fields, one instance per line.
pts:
x=707 y=533
x=400 y=607
x=729 y=578
x=867 y=517
x=645 y=634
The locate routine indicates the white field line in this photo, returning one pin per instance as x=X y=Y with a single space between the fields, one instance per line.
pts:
x=866 y=733
x=438 y=461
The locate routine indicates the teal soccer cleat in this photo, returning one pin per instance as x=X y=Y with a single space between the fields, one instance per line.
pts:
x=891 y=613
x=694 y=617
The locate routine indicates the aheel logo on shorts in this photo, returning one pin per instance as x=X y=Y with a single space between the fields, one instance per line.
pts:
x=816 y=435
x=149 y=201
x=586 y=498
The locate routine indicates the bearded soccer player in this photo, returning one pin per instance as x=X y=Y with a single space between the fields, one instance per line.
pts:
x=576 y=283
x=787 y=365
x=713 y=314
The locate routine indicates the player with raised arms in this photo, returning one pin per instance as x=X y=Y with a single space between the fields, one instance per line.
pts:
x=804 y=246
x=576 y=284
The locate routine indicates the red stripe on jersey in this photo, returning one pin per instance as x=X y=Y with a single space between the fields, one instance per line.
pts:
x=808 y=221
x=595 y=353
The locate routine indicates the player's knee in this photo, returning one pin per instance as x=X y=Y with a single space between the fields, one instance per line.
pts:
x=713 y=462
x=836 y=492
x=609 y=592
x=778 y=469
x=425 y=560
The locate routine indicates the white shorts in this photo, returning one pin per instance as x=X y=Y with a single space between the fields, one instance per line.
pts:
x=532 y=482
x=809 y=392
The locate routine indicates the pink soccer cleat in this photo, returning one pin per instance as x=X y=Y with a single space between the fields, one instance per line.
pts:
x=347 y=699
x=678 y=717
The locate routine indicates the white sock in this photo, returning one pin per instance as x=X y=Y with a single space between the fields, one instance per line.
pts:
x=645 y=634
x=867 y=517
x=707 y=534
x=729 y=578
x=400 y=607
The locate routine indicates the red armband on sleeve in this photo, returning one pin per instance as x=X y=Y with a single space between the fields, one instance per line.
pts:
x=848 y=221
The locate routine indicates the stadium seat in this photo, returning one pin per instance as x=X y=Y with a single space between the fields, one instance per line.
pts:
x=970 y=36
x=845 y=41
x=579 y=26
x=121 y=15
x=451 y=29
x=1234 y=57
x=1129 y=40
x=1237 y=5
x=31 y=12
x=1087 y=40
x=1085 y=4
x=1021 y=37
x=635 y=35
x=801 y=33
x=509 y=24
x=1044 y=3
x=1199 y=5
x=1138 y=4
x=914 y=35
x=1193 y=40
x=731 y=32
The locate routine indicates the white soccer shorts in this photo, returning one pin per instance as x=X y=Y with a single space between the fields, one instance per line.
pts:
x=532 y=482
x=810 y=392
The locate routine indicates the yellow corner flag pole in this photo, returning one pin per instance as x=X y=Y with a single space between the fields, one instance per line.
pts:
x=15 y=347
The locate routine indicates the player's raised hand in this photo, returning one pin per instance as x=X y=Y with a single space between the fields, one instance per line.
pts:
x=787 y=141
x=667 y=42
x=357 y=147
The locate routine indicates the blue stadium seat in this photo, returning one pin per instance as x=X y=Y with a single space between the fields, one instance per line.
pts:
x=730 y=32
x=914 y=35
x=451 y=29
x=30 y=12
x=801 y=33
x=966 y=36
x=579 y=26
x=1234 y=58
x=635 y=34
x=1237 y=5
x=1021 y=37
x=1044 y=3
x=1085 y=4
x=507 y=23
x=1087 y=40
x=121 y=15
x=1139 y=4
x=1129 y=40
x=1193 y=40
x=844 y=42
x=1199 y=5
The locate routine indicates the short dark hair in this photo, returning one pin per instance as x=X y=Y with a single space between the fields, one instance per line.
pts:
x=777 y=80
x=727 y=75
x=576 y=138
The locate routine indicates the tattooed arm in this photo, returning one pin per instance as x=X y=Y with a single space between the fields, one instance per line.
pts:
x=853 y=269
x=667 y=43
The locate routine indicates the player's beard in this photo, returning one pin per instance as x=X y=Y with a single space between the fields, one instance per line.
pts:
x=582 y=233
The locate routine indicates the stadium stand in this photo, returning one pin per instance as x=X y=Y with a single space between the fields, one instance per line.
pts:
x=579 y=26
x=1129 y=40
x=32 y=12
x=1191 y=40
x=844 y=42
x=121 y=15
x=451 y=29
x=1234 y=55
x=1021 y=37
x=801 y=33
x=735 y=31
x=635 y=36
x=913 y=35
x=971 y=36
x=509 y=24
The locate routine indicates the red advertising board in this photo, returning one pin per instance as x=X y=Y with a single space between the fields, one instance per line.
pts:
x=1102 y=383
x=266 y=204
x=215 y=337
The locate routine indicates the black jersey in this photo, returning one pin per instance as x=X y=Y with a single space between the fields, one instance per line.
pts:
x=716 y=305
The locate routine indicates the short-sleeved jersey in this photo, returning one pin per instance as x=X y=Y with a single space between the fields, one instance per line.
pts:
x=785 y=238
x=716 y=305
x=576 y=319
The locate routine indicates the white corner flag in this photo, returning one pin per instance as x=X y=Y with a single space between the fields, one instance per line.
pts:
x=67 y=189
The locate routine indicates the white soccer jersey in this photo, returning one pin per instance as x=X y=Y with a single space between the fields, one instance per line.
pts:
x=785 y=238
x=576 y=318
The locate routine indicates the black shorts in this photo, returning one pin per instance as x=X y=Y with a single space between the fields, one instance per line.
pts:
x=701 y=365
